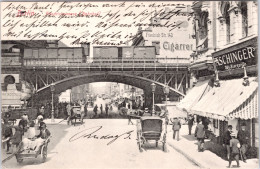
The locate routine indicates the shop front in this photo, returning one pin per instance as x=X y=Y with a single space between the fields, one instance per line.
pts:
x=234 y=98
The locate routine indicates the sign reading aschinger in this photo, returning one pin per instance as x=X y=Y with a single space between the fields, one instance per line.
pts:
x=239 y=58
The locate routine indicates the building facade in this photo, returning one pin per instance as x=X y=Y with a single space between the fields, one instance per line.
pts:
x=224 y=66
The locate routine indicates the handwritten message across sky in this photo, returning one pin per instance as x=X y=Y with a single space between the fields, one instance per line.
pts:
x=75 y=23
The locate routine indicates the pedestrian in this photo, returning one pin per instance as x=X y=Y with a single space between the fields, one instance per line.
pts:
x=176 y=126
x=243 y=137
x=31 y=131
x=101 y=108
x=69 y=111
x=82 y=111
x=41 y=112
x=23 y=122
x=106 y=109
x=200 y=134
x=95 y=110
x=190 y=123
x=234 y=145
x=17 y=137
x=226 y=140
x=7 y=135
x=86 y=109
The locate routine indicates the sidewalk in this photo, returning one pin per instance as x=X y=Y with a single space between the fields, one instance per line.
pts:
x=187 y=145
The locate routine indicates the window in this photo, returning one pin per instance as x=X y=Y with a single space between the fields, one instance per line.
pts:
x=224 y=7
x=228 y=28
x=244 y=19
x=157 y=47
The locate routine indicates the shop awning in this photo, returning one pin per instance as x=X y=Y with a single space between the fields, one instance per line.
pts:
x=173 y=111
x=194 y=95
x=231 y=100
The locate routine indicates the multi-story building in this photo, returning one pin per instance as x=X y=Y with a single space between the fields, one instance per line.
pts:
x=224 y=66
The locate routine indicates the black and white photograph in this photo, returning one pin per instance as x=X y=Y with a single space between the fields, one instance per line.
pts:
x=129 y=84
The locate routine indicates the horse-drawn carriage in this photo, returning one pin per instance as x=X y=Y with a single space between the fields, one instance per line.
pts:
x=150 y=128
x=76 y=114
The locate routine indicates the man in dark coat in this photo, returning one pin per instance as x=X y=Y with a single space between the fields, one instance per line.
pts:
x=226 y=140
x=234 y=145
x=106 y=109
x=200 y=134
x=243 y=137
x=95 y=110
x=190 y=123
x=101 y=108
x=176 y=126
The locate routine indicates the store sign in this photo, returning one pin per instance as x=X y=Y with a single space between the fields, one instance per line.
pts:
x=239 y=58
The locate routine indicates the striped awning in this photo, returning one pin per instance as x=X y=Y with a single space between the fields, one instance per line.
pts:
x=194 y=95
x=231 y=100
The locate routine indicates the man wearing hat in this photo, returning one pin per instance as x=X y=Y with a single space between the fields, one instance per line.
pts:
x=243 y=137
x=44 y=134
x=234 y=145
x=226 y=140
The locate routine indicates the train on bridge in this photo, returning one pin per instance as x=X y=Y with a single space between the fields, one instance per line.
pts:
x=67 y=55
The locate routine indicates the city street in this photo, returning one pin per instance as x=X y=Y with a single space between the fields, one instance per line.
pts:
x=68 y=150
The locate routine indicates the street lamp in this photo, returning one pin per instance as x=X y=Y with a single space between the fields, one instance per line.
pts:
x=153 y=86
x=132 y=90
x=52 y=86
x=166 y=91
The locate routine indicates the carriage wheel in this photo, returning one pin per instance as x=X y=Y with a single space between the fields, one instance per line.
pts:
x=139 y=141
x=44 y=153
x=164 y=141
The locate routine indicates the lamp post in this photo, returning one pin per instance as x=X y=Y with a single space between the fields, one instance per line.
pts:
x=166 y=91
x=52 y=104
x=132 y=90
x=153 y=86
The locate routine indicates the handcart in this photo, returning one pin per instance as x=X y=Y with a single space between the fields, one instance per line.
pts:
x=150 y=128
x=22 y=154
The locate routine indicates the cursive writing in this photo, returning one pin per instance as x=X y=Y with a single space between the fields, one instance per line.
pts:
x=108 y=23
x=92 y=133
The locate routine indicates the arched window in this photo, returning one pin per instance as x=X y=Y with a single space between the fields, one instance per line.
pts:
x=224 y=7
x=244 y=19
x=9 y=79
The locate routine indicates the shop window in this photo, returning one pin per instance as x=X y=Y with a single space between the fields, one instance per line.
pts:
x=157 y=47
x=244 y=19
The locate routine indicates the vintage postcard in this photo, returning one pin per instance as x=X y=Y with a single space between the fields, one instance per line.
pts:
x=129 y=84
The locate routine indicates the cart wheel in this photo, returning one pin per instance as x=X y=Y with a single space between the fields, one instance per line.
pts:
x=44 y=153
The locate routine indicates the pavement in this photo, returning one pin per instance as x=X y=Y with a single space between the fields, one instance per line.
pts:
x=187 y=145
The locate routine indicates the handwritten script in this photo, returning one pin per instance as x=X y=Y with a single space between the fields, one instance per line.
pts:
x=76 y=23
x=92 y=133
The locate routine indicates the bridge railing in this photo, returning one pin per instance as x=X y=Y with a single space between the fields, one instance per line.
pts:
x=105 y=62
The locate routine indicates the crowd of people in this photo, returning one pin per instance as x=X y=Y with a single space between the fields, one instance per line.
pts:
x=23 y=136
x=235 y=144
